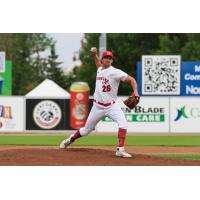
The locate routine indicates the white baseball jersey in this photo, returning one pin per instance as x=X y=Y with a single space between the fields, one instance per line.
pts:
x=107 y=84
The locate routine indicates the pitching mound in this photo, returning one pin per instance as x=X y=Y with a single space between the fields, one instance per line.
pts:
x=81 y=157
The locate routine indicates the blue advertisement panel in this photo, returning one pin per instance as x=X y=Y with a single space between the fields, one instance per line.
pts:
x=190 y=79
x=139 y=77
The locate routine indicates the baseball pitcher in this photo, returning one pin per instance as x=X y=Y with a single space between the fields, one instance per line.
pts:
x=105 y=95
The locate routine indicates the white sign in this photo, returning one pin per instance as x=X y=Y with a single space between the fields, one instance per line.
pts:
x=185 y=115
x=11 y=114
x=151 y=115
x=161 y=75
x=2 y=61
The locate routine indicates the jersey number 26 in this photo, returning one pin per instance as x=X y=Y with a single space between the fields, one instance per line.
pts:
x=106 y=88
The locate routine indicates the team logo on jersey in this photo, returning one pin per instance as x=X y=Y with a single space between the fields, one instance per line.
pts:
x=47 y=114
x=103 y=79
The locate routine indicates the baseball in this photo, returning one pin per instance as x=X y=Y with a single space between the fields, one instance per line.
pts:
x=93 y=49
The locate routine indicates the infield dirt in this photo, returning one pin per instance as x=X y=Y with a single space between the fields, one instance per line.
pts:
x=92 y=156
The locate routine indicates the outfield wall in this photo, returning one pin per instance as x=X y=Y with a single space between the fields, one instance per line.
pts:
x=159 y=115
x=152 y=115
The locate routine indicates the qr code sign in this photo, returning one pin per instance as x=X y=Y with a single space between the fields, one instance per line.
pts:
x=161 y=75
x=2 y=61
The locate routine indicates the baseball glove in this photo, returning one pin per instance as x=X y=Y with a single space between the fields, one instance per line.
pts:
x=132 y=101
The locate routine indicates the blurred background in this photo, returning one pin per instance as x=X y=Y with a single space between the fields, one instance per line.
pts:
x=65 y=57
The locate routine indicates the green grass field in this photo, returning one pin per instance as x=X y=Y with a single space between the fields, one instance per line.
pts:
x=101 y=140
x=110 y=140
x=179 y=156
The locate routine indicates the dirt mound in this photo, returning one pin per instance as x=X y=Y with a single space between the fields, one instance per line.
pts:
x=81 y=157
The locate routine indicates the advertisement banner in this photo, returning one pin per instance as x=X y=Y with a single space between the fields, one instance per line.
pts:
x=190 y=79
x=47 y=114
x=1 y=83
x=44 y=114
x=79 y=104
x=161 y=74
x=139 y=78
x=185 y=115
x=11 y=114
x=150 y=116
x=6 y=77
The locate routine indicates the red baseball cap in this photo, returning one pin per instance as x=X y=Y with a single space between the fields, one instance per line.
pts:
x=107 y=53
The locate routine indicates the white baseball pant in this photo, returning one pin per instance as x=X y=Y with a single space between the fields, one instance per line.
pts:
x=98 y=112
